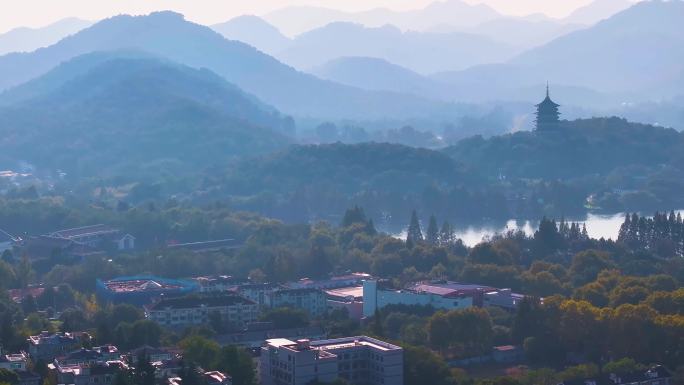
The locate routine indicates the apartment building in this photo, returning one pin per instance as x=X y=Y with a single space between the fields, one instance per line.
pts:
x=357 y=360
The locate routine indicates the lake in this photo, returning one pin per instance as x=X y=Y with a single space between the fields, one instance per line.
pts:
x=598 y=226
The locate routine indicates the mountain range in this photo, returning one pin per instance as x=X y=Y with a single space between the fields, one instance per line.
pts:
x=25 y=39
x=105 y=111
x=293 y=21
x=167 y=34
x=422 y=52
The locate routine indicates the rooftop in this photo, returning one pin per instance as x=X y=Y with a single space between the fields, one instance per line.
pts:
x=352 y=291
x=85 y=231
x=144 y=284
x=448 y=288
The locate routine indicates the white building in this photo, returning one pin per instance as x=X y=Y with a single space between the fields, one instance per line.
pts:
x=358 y=360
x=376 y=298
x=184 y=311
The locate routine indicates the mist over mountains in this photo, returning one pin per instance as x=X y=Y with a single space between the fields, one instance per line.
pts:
x=441 y=72
x=111 y=111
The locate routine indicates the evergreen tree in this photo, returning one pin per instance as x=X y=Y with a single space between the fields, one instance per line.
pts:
x=144 y=371
x=432 y=235
x=353 y=215
x=414 y=233
x=446 y=234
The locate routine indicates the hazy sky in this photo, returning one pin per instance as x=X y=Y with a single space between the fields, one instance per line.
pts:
x=35 y=13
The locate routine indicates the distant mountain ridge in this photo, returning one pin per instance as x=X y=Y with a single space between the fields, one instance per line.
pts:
x=254 y=31
x=296 y=20
x=105 y=111
x=422 y=52
x=167 y=34
x=628 y=55
x=29 y=39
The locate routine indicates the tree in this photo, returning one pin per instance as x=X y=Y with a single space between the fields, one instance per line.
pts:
x=144 y=372
x=286 y=318
x=432 y=235
x=200 y=350
x=446 y=234
x=423 y=366
x=414 y=233
x=238 y=362
x=8 y=376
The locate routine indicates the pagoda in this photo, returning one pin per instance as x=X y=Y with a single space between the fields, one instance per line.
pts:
x=547 y=114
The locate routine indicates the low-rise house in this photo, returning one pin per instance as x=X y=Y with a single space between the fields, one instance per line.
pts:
x=210 y=378
x=151 y=354
x=90 y=356
x=47 y=347
x=86 y=374
x=232 y=310
x=15 y=362
x=98 y=236
x=357 y=360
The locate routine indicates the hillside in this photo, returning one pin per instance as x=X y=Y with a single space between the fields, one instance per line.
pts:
x=376 y=74
x=422 y=52
x=101 y=114
x=29 y=39
x=296 y=20
x=318 y=180
x=581 y=148
x=254 y=31
x=168 y=35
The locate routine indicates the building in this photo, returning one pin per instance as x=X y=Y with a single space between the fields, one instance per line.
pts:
x=206 y=246
x=270 y=296
x=258 y=292
x=348 y=298
x=97 y=237
x=548 y=117
x=358 y=360
x=254 y=335
x=233 y=310
x=90 y=356
x=312 y=301
x=335 y=282
x=151 y=354
x=86 y=374
x=16 y=362
x=655 y=375
x=47 y=347
x=376 y=295
x=441 y=295
x=218 y=283
x=210 y=378
x=142 y=290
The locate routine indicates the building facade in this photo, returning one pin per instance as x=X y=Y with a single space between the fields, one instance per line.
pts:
x=185 y=311
x=357 y=360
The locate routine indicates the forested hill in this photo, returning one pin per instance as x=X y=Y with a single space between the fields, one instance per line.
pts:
x=102 y=114
x=580 y=148
x=313 y=180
